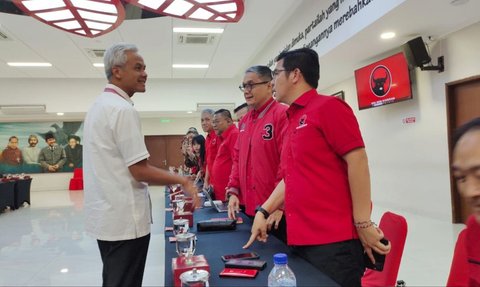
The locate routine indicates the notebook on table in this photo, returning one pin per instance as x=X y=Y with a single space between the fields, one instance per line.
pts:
x=218 y=204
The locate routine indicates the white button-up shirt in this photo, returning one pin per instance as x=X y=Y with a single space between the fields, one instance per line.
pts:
x=117 y=207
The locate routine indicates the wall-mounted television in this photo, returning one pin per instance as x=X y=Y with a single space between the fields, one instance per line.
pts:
x=384 y=82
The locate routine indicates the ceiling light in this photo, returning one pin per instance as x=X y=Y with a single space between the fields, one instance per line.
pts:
x=189 y=112
x=198 y=30
x=202 y=10
x=64 y=270
x=387 y=35
x=61 y=114
x=99 y=65
x=190 y=66
x=89 y=18
x=26 y=64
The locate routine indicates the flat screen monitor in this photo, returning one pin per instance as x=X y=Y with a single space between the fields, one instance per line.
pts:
x=384 y=82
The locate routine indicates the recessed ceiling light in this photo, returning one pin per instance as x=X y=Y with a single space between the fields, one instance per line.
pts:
x=64 y=270
x=189 y=112
x=26 y=64
x=198 y=30
x=61 y=114
x=99 y=65
x=190 y=66
x=387 y=35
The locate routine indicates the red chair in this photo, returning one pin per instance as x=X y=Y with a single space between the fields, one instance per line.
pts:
x=76 y=183
x=395 y=229
x=459 y=268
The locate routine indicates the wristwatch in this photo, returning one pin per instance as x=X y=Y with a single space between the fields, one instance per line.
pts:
x=263 y=211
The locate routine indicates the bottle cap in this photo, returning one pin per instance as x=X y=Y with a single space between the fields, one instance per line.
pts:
x=280 y=258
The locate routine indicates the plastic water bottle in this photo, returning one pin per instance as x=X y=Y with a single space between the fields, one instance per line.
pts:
x=281 y=274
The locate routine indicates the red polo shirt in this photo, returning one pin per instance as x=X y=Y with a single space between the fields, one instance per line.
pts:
x=211 y=147
x=256 y=165
x=222 y=165
x=318 y=204
x=473 y=251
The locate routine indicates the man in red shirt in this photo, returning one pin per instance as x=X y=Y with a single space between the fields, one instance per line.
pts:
x=326 y=182
x=211 y=144
x=256 y=164
x=228 y=134
x=466 y=171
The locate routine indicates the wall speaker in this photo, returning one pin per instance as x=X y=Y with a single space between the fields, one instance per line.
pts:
x=419 y=52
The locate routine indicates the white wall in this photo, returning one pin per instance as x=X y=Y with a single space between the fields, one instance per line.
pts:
x=409 y=163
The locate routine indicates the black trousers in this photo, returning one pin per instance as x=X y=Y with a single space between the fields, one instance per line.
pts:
x=341 y=261
x=124 y=261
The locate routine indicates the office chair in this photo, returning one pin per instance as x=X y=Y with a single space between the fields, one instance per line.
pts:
x=395 y=229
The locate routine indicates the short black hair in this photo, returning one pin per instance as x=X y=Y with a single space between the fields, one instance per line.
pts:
x=306 y=60
x=465 y=128
x=225 y=113
x=49 y=135
x=244 y=105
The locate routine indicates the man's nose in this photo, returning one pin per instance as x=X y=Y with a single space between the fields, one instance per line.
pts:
x=472 y=187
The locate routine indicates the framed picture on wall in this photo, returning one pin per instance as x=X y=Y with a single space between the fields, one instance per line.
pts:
x=340 y=95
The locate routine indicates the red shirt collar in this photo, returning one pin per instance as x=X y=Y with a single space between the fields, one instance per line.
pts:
x=302 y=101
x=225 y=134
x=255 y=113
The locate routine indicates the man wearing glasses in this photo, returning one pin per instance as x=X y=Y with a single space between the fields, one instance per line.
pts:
x=326 y=181
x=255 y=171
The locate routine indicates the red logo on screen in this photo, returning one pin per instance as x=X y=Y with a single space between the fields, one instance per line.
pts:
x=380 y=81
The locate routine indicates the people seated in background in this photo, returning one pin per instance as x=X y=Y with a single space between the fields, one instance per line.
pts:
x=52 y=157
x=31 y=152
x=466 y=171
x=211 y=145
x=12 y=155
x=187 y=151
x=256 y=164
x=73 y=151
x=198 y=145
x=241 y=111
x=228 y=134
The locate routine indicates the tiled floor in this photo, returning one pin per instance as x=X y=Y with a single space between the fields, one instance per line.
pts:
x=45 y=245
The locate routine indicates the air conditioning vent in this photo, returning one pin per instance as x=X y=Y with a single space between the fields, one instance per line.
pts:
x=22 y=109
x=202 y=39
x=96 y=53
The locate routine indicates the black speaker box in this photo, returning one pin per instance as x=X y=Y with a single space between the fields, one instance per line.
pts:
x=418 y=52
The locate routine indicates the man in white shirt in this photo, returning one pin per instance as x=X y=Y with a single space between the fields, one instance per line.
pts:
x=116 y=171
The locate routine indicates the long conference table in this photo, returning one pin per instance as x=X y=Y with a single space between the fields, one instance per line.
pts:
x=214 y=244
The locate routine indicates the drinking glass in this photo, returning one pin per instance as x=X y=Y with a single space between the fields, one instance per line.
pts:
x=180 y=226
x=186 y=244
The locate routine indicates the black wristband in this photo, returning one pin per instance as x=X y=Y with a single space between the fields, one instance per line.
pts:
x=263 y=211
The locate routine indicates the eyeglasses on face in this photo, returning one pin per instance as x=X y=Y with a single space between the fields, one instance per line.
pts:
x=249 y=86
x=276 y=72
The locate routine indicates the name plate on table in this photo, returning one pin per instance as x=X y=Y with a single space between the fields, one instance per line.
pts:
x=182 y=264
x=184 y=215
x=216 y=225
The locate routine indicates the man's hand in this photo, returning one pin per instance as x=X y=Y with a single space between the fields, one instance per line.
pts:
x=370 y=238
x=189 y=187
x=259 y=230
x=233 y=206
x=274 y=219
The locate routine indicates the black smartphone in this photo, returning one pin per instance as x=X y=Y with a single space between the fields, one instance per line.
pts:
x=246 y=264
x=379 y=259
x=248 y=255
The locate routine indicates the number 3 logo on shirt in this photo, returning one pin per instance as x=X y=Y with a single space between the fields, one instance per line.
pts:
x=268 y=135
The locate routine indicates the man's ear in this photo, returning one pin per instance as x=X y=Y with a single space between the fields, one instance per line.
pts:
x=117 y=72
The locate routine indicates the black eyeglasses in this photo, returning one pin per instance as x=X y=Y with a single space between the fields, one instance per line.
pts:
x=249 y=87
x=276 y=72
